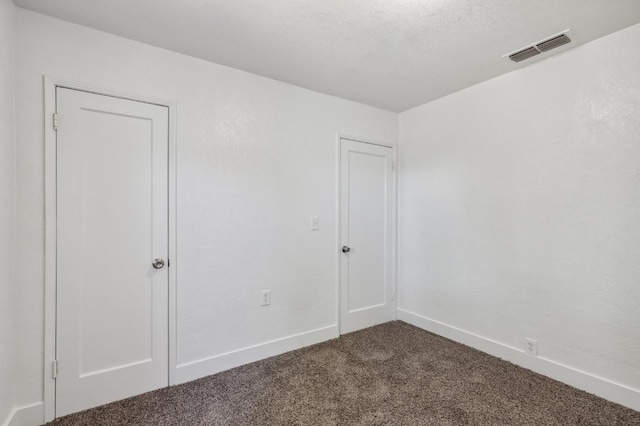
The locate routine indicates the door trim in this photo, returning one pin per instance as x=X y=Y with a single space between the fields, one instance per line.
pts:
x=50 y=220
x=394 y=223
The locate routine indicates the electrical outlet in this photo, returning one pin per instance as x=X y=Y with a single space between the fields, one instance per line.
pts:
x=531 y=346
x=266 y=298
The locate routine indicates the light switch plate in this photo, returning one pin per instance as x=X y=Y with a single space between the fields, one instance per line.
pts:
x=315 y=223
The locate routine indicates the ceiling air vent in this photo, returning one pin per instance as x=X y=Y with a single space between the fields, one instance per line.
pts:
x=539 y=47
x=524 y=54
x=553 y=42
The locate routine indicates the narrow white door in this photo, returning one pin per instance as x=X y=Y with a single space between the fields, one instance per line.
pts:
x=366 y=191
x=112 y=301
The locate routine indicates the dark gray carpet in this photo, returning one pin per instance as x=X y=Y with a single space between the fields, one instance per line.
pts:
x=392 y=374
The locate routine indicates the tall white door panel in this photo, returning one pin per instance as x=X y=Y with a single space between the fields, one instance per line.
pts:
x=366 y=191
x=112 y=246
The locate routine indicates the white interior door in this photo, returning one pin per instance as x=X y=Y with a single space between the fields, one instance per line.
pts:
x=112 y=222
x=366 y=192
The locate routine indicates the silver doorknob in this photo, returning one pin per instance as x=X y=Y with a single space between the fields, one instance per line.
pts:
x=346 y=249
x=158 y=263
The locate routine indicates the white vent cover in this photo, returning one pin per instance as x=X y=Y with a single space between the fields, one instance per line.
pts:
x=521 y=55
x=553 y=42
x=540 y=47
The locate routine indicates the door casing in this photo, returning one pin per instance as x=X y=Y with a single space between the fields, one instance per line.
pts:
x=394 y=230
x=50 y=85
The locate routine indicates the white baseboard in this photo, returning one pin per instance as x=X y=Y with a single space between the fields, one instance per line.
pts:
x=599 y=386
x=29 y=415
x=215 y=364
x=33 y=415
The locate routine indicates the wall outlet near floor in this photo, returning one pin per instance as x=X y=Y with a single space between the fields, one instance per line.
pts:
x=531 y=347
x=266 y=298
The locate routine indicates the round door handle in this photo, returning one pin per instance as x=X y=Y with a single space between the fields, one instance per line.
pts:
x=158 y=263
x=346 y=249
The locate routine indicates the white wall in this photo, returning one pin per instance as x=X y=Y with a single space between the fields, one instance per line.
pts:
x=7 y=203
x=518 y=200
x=519 y=212
x=256 y=159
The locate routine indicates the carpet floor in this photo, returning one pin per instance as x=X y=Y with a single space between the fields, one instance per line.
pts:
x=391 y=374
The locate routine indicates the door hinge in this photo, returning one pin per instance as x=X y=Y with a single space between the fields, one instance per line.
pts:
x=393 y=166
x=55 y=121
x=54 y=368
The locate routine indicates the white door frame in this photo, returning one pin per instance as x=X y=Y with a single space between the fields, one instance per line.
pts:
x=50 y=172
x=394 y=223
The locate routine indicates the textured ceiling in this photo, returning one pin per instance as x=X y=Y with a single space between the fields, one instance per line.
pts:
x=392 y=54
